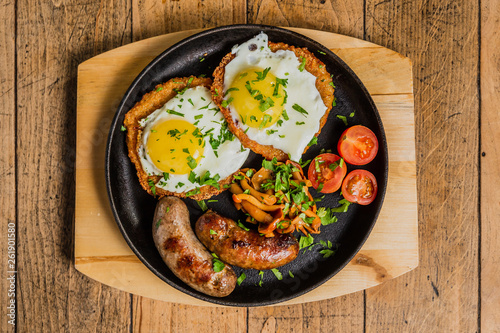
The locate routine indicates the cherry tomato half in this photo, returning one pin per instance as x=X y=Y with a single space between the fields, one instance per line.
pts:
x=358 y=145
x=326 y=172
x=360 y=186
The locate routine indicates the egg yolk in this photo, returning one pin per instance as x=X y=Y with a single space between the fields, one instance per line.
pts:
x=257 y=97
x=175 y=146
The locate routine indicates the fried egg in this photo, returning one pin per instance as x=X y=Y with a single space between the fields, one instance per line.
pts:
x=272 y=98
x=188 y=143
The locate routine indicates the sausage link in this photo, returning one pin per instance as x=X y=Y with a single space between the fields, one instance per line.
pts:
x=183 y=253
x=246 y=249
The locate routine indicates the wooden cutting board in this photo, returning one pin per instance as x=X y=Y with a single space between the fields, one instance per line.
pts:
x=100 y=250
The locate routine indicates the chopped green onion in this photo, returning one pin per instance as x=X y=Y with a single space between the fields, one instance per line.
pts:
x=300 y=109
x=343 y=118
x=241 y=278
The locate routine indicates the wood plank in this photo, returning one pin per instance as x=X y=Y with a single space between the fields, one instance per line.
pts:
x=53 y=38
x=346 y=312
x=440 y=37
x=490 y=169
x=340 y=16
x=341 y=314
x=7 y=167
x=151 y=18
x=157 y=316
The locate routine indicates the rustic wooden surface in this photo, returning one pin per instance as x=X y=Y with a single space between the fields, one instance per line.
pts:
x=490 y=167
x=454 y=47
x=100 y=250
x=7 y=156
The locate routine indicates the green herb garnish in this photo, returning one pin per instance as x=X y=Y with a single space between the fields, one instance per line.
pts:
x=202 y=205
x=277 y=273
x=217 y=264
x=303 y=64
x=241 y=278
x=300 y=109
x=343 y=118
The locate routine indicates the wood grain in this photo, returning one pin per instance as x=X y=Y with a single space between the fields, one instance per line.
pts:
x=52 y=39
x=343 y=17
x=441 y=39
x=151 y=18
x=490 y=169
x=7 y=167
x=154 y=17
x=157 y=316
x=340 y=16
x=341 y=314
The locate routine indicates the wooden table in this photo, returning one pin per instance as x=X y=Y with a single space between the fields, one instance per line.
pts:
x=455 y=49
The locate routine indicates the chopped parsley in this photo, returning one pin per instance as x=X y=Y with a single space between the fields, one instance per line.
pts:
x=217 y=264
x=212 y=232
x=328 y=251
x=202 y=205
x=205 y=179
x=159 y=89
x=123 y=128
x=277 y=273
x=193 y=192
x=231 y=89
x=300 y=109
x=269 y=132
x=261 y=274
x=305 y=242
x=241 y=278
x=265 y=119
x=303 y=64
x=225 y=103
x=175 y=113
x=326 y=216
x=242 y=226
x=191 y=162
x=285 y=115
x=279 y=82
x=152 y=186
x=344 y=205
x=261 y=76
x=343 y=118
x=313 y=141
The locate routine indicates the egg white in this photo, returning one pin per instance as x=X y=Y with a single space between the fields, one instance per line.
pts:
x=294 y=134
x=191 y=103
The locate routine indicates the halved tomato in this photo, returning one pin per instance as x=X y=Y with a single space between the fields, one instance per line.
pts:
x=360 y=186
x=358 y=145
x=326 y=172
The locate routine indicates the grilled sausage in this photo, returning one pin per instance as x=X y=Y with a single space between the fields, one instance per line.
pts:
x=186 y=257
x=246 y=249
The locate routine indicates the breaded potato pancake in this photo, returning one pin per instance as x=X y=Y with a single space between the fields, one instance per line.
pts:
x=168 y=146
x=283 y=134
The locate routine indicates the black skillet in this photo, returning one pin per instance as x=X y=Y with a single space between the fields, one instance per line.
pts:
x=133 y=208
